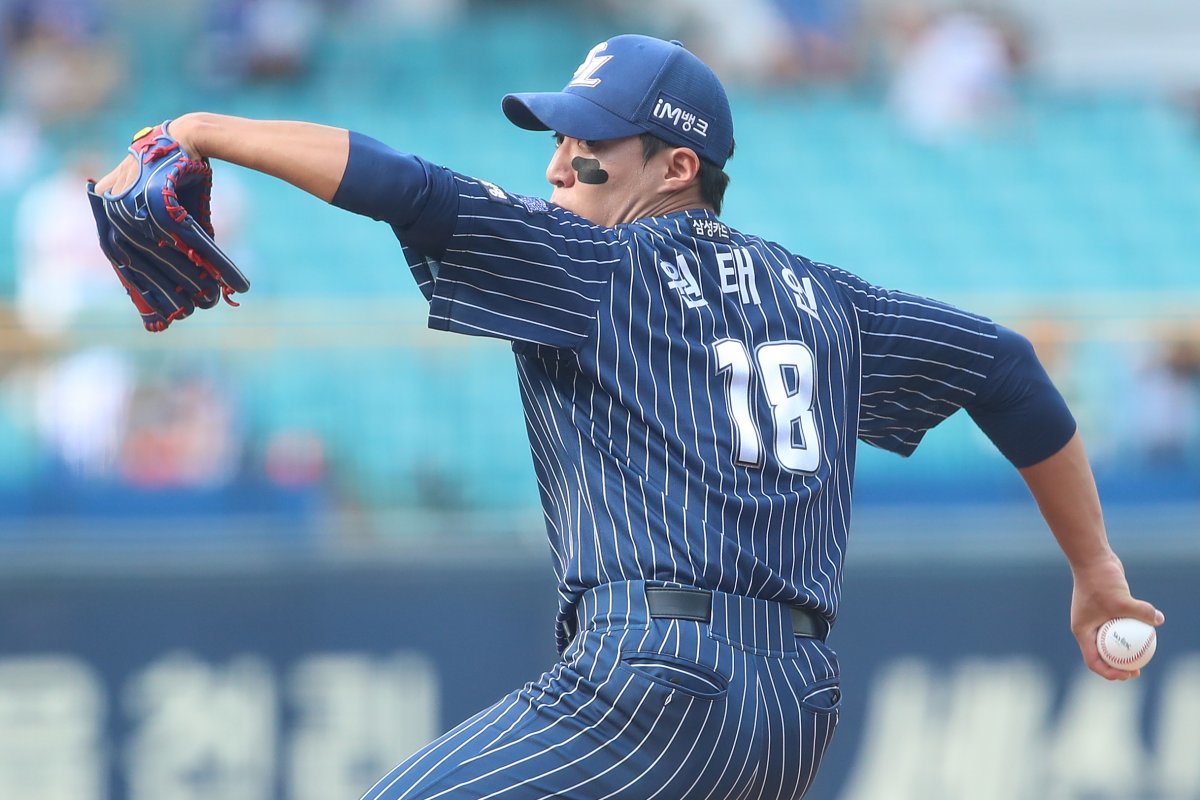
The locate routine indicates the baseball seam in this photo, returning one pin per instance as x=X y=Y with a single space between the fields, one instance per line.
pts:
x=1114 y=659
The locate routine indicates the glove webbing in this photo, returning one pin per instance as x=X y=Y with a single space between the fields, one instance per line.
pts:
x=178 y=213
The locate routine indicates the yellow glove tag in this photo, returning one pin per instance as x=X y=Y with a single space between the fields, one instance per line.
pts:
x=142 y=133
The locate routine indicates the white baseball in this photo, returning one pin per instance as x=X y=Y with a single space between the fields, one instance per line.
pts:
x=1126 y=643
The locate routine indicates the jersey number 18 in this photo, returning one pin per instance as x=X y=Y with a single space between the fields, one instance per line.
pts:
x=785 y=372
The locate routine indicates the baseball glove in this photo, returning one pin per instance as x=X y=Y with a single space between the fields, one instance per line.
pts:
x=158 y=233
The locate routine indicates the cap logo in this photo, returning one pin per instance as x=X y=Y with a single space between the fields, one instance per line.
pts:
x=585 y=75
x=672 y=113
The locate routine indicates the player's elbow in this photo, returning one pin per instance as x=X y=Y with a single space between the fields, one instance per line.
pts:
x=1018 y=407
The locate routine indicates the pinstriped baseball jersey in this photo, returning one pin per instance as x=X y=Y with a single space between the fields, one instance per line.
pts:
x=693 y=394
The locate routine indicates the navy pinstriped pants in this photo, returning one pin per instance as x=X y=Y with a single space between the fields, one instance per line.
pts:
x=645 y=708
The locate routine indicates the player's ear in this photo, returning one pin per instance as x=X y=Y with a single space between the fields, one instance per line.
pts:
x=680 y=169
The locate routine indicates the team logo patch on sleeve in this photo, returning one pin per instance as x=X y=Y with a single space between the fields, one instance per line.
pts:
x=494 y=191
x=534 y=205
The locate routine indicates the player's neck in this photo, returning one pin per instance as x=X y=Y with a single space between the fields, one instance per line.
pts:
x=666 y=204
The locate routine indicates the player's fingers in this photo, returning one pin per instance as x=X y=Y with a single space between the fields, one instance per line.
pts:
x=1091 y=657
x=119 y=179
x=1109 y=673
x=1140 y=610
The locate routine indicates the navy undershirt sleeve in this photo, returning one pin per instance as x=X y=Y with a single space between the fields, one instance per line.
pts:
x=1018 y=407
x=413 y=196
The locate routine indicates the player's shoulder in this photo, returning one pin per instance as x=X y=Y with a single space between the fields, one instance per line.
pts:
x=838 y=284
x=487 y=192
x=812 y=266
x=472 y=188
x=523 y=215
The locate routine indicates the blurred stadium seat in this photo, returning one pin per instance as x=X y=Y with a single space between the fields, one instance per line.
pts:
x=1079 y=208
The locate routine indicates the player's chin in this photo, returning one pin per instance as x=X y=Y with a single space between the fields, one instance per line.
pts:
x=566 y=200
x=570 y=201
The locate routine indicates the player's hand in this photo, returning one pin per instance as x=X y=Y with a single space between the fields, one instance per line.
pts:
x=153 y=220
x=120 y=179
x=1102 y=593
x=126 y=174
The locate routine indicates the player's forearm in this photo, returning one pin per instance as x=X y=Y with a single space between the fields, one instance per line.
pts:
x=307 y=155
x=1065 y=491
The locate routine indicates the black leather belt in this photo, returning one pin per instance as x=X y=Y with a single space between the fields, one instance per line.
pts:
x=667 y=602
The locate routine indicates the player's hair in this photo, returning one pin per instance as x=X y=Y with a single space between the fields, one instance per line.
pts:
x=713 y=180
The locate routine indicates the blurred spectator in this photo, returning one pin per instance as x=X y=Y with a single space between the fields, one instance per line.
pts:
x=755 y=42
x=181 y=433
x=57 y=65
x=1167 y=424
x=60 y=270
x=953 y=71
x=823 y=37
x=295 y=458
x=82 y=402
x=20 y=142
x=248 y=40
x=415 y=14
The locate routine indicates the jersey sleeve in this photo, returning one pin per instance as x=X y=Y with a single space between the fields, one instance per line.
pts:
x=491 y=263
x=511 y=267
x=922 y=360
x=1018 y=407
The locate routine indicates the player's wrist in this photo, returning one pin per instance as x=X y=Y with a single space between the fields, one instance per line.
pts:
x=189 y=129
x=1103 y=562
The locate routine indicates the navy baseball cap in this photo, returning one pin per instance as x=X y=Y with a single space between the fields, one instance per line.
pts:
x=634 y=84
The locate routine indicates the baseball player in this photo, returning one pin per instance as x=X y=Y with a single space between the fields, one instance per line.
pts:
x=693 y=396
